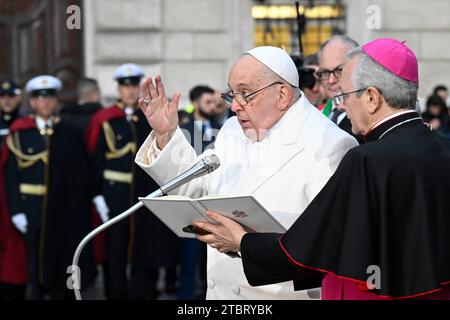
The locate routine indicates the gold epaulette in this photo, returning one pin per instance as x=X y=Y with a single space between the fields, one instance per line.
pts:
x=110 y=138
x=24 y=160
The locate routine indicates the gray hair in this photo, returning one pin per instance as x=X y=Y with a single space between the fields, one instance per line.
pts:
x=85 y=87
x=349 y=42
x=398 y=93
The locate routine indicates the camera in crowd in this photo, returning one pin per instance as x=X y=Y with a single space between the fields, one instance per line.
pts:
x=307 y=79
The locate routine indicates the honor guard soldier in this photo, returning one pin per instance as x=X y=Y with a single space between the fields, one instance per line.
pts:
x=46 y=181
x=113 y=135
x=10 y=97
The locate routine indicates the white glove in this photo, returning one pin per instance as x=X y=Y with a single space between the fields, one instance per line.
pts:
x=20 y=222
x=102 y=207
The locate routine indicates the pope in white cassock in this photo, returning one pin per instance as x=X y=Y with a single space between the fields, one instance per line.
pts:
x=279 y=149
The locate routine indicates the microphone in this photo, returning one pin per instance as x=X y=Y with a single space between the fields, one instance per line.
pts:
x=204 y=166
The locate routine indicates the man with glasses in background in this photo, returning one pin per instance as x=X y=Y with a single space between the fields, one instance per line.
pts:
x=331 y=60
x=278 y=148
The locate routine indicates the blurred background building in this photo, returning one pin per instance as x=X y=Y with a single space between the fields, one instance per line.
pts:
x=196 y=41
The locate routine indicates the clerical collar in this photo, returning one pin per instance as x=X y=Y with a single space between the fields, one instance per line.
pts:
x=391 y=123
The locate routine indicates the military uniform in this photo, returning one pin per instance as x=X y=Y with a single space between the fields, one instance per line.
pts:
x=46 y=184
x=7 y=118
x=15 y=291
x=113 y=136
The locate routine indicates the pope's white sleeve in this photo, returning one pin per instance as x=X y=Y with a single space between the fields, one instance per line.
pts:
x=176 y=157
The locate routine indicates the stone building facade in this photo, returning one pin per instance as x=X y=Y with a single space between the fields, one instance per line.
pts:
x=423 y=24
x=187 y=42
x=193 y=42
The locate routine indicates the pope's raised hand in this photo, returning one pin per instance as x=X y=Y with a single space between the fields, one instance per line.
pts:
x=161 y=113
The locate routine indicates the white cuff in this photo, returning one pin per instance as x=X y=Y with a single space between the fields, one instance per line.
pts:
x=149 y=150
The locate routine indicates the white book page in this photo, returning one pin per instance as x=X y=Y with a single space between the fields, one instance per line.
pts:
x=246 y=210
x=175 y=214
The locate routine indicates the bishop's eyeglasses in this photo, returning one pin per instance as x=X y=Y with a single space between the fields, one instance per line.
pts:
x=340 y=98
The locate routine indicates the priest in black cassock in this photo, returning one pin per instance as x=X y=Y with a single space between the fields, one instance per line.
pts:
x=380 y=228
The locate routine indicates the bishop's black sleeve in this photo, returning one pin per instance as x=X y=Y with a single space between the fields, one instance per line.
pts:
x=12 y=185
x=265 y=263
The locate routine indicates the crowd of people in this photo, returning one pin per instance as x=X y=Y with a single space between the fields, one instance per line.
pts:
x=67 y=169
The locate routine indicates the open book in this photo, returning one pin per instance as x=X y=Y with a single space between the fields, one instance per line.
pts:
x=178 y=212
